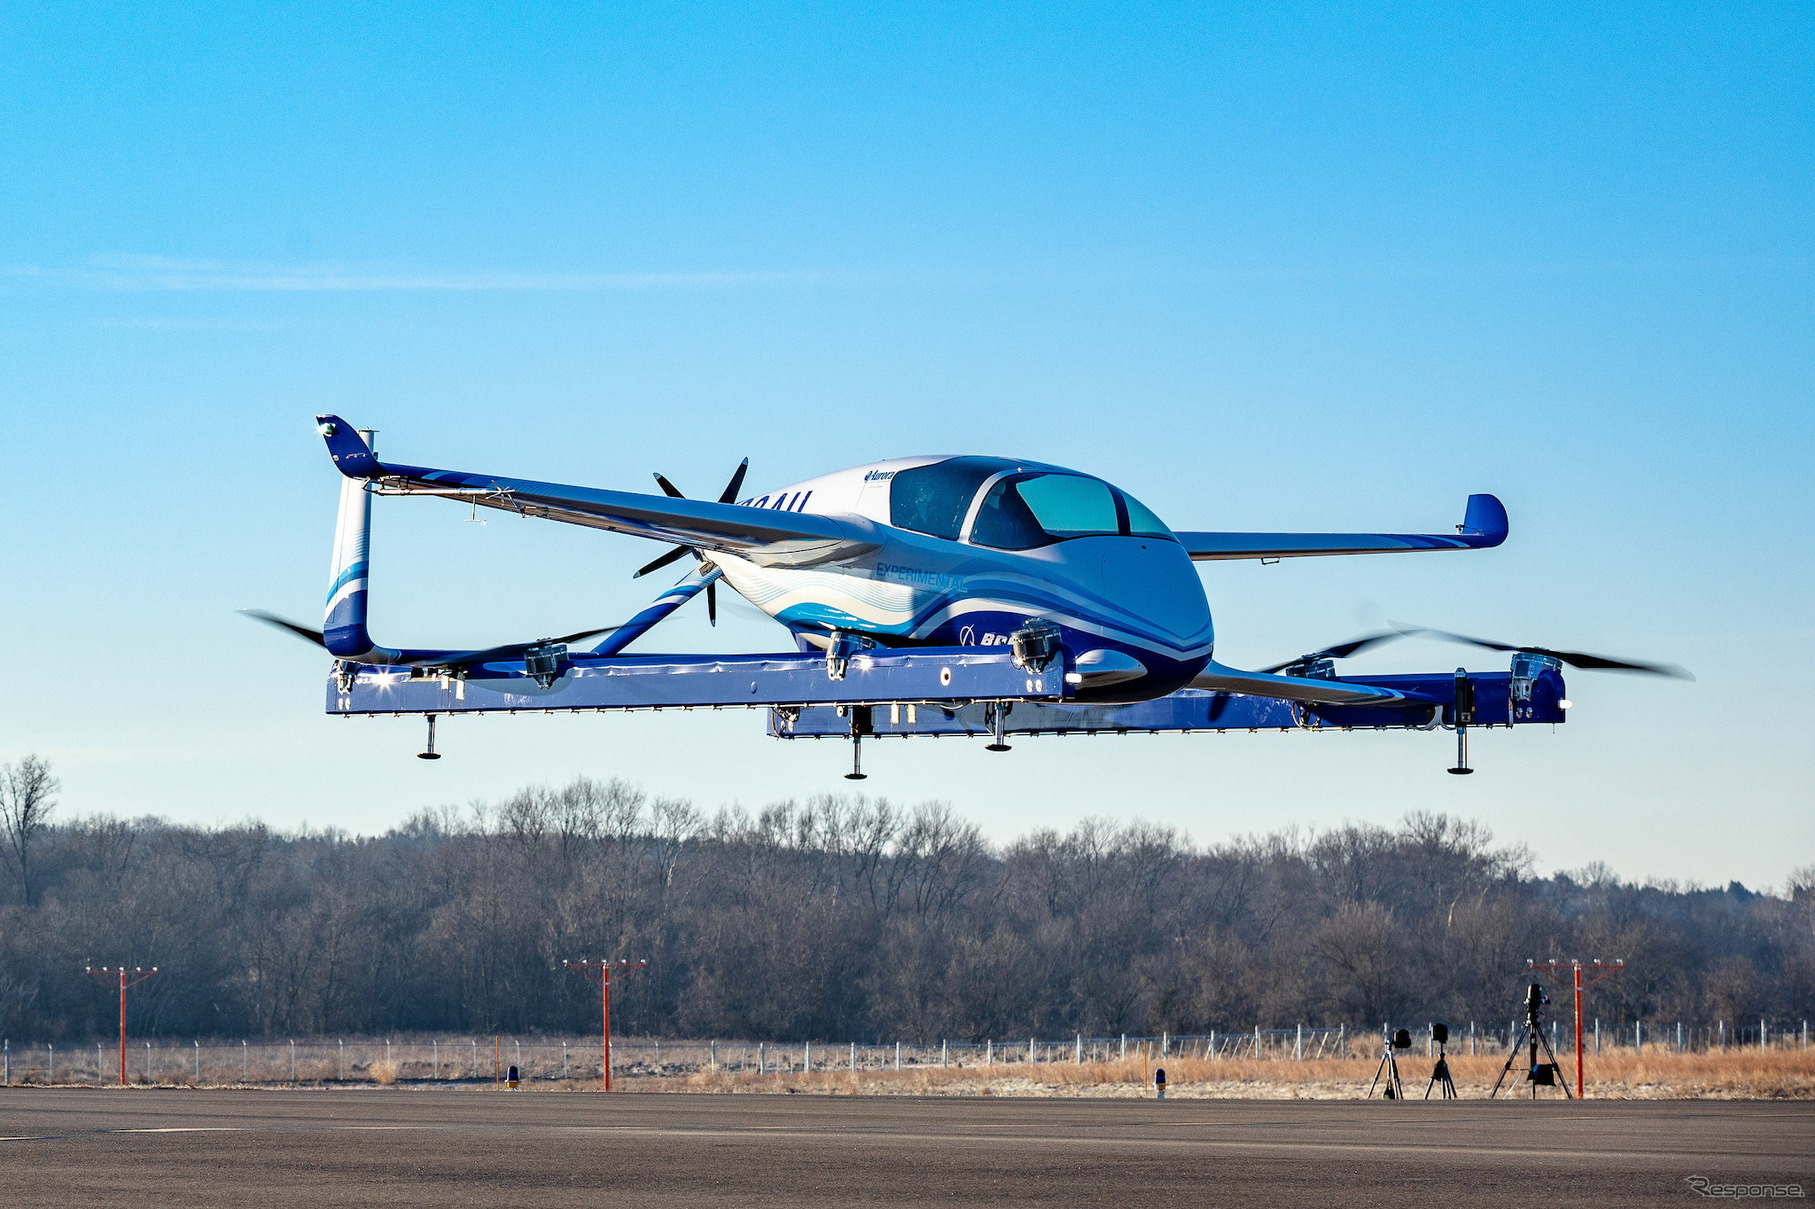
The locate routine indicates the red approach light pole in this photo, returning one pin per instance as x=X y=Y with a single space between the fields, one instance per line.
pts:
x=1552 y=966
x=600 y=972
x=138 y=974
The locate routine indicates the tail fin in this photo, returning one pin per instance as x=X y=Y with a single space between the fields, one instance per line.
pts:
x=344 y=625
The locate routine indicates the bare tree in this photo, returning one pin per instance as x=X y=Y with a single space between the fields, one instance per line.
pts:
x=841 y=917
x=27 y=796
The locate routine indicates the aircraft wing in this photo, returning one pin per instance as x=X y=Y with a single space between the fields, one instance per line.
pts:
x=1483 y=525
x=763 y=535
x=1294 y=688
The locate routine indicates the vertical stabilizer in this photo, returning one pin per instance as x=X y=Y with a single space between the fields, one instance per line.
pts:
x=344 y=627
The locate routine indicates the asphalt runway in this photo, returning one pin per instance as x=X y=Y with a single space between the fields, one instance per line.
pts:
x=199 y=1149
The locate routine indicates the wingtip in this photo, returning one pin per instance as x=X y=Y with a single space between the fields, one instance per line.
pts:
x=1485 y=518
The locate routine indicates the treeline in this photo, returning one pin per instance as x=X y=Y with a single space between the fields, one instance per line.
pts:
x=843 y=917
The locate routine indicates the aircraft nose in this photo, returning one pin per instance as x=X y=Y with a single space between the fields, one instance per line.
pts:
x=1156 y=582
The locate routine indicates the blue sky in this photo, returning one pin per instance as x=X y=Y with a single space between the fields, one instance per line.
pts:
x=1268 y=268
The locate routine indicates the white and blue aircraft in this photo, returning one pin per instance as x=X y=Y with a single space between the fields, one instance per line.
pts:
x=1028 y=586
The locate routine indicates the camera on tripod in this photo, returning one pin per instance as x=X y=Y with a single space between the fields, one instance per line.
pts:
x=1538 y=1074
x=1389 y=1067
x=1440 y=1076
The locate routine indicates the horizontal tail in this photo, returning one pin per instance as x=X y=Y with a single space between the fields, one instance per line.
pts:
x=349 y=447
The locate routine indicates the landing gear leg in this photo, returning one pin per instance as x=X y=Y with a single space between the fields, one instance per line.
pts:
x=857 y=773
x=429 y=752
x=1463 y=713
x=1000 y=713
x=1461 y=769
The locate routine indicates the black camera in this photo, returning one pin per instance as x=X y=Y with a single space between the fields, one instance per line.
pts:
x=1402 y=1040
x=1440 y=1033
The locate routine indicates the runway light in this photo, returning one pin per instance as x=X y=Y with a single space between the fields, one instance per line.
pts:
x=1564 y=704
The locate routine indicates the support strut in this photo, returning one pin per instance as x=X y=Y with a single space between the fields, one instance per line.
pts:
x=1463 y=711
x=429 y=752
x=999 y=714
x=1461 y=769
x=857 y=773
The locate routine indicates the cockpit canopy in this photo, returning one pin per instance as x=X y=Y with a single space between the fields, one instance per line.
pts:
x=1025 y=504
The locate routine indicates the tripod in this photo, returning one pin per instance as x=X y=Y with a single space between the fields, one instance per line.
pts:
x=1532 y=1035
x=1440 y=1073
x=1389 y=1067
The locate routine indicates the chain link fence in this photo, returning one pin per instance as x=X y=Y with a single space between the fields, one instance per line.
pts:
x=471 y=1059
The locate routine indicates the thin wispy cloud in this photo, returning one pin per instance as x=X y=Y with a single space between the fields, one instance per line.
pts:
x=137 y=273
x=150 y=273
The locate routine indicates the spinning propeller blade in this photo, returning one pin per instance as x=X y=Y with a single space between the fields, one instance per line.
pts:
x=509 y=651
x=1575 y=659
x=516 y=650
x=1341 y=650
x=301 y=631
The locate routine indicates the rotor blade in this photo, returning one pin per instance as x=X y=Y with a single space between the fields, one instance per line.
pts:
x=585 y=634
x=729 y=494
x=663 y=561
x=301 y=631
x=1357 y=645
x=1463 y=638
x=516 y=650
x=1341 y=650
x=669 y=489
x=1575 y=659
x=712 y=603
x=1601 y=663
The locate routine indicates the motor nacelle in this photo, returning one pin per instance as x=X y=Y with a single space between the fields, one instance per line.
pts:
x=1527 y=666
x=841 y=648
x=545 y=662
x=1035 y=645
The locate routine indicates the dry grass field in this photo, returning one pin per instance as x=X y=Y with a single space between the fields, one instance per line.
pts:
x=1624 y=1074
x=1656 y=1073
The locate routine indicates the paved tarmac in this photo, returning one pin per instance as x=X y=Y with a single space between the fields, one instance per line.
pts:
x=199 y=1149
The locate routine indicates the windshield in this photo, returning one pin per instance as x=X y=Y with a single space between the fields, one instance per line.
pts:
x=1026 y=511
x=1142 y=522
x=934 y=499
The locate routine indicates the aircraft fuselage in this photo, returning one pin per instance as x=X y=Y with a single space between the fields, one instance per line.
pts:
x=1113 y=580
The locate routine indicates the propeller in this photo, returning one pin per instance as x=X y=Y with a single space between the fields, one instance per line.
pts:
x=1341 y=650
x=727 y=496
x=517 y=650
x=1575 y=659
x=301 y=631
x=495 y=654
